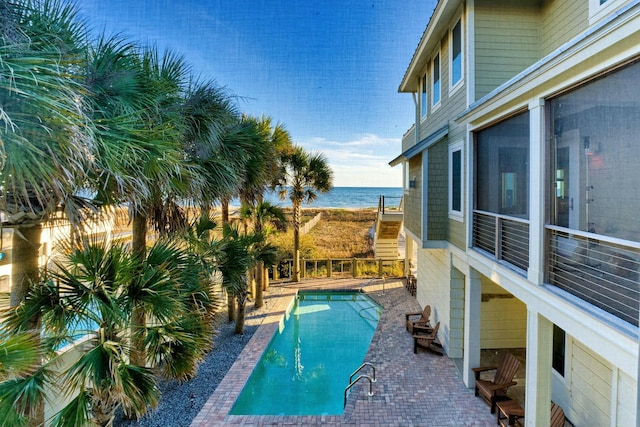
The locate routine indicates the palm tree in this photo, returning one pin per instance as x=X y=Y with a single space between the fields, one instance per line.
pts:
x=240 y=253
x=303 y=174
x=118 y=105
x=267 y=219
x=256 y=144
x=263 y=145
x=20 y=355
x=93 y=293
x=44 y=151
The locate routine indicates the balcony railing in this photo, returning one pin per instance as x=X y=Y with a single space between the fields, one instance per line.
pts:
x=600 y=270
x=505 y=238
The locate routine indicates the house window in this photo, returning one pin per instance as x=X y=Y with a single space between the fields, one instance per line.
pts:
x=456 y=54
x=558 y=355
x=594 y=156
x=599 y=9
x=502 y=167
x=405 y=165
x=423 y=97
x=436 y=80
x=455 y=180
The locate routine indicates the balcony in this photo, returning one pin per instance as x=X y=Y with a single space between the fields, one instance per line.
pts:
x=600 y=270
x=502 y=237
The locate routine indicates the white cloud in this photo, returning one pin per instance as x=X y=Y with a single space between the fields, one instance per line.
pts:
x=361 y=162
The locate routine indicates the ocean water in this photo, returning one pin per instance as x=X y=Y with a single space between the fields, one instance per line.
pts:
x=347 y=197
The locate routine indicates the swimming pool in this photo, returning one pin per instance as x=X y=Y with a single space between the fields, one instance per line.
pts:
x=306 y=366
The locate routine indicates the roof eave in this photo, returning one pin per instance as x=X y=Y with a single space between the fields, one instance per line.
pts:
x=427 y=43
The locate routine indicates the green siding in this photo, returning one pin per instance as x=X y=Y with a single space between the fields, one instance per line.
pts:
x=413 y=198
x=562 y=20
x=507 y=40
x=438 y=203
x=409 y=139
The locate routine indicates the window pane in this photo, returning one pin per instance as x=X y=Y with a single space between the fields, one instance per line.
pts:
x=456 y=53
x=502 y=167
x=436 y=79
x=594 y=156
x=423 y=101
x=558 y=350
x=456 y=181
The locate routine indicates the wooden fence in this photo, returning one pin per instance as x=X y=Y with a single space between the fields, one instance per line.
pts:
x=340 y=268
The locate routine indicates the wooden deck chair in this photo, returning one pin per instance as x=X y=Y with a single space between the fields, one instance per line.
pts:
x=513 y=417
x=495 y=390
x=427 y=342
x=422 y=323
x=557 y=416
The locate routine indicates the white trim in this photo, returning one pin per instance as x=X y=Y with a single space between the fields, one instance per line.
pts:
x=454 y=214
x=469 y=181
x=537 y=182
x=598 y=11
x=470 y=52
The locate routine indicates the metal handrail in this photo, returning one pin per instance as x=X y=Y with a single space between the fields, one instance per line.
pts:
x=352 y=381
x=365 y=364
x=351 y=384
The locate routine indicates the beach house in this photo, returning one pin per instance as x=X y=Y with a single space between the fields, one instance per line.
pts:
x=521 y=194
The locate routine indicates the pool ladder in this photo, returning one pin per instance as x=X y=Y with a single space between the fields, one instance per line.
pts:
x=352 y=382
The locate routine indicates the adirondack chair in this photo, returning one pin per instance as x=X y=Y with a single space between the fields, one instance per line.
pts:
x=495 y=390
x=510 y=413
x=557 y=416
x=422 y=323
x=427 y=342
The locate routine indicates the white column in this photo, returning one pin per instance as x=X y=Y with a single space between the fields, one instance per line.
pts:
x=472 y=310
x=538 y=375
x=408 y=254
x=536 y=191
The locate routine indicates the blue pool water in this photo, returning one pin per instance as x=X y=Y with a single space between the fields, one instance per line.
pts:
x=306 y=366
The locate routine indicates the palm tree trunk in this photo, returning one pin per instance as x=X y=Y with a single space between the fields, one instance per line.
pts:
x=139 y=234
x=25 y=271
x=231 y=300
x=251 y=275
x=224 y=210
x=259 y=297
x=24 y=264
x=138 y=321
x=239 y=329
x=231 y=307
x=296 y=243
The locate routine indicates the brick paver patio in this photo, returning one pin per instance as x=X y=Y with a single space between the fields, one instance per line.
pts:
x=412 y=389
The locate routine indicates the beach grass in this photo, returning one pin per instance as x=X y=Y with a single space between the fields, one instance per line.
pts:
x=341 y=233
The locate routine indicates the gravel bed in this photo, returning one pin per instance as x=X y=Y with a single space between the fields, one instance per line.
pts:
x=181 y=401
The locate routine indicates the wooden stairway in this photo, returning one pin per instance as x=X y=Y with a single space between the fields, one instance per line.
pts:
x=388 y=225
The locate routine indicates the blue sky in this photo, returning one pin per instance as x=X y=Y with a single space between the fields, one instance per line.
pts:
x=328 y=70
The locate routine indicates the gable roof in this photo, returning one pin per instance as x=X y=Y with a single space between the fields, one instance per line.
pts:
x=437 y=26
